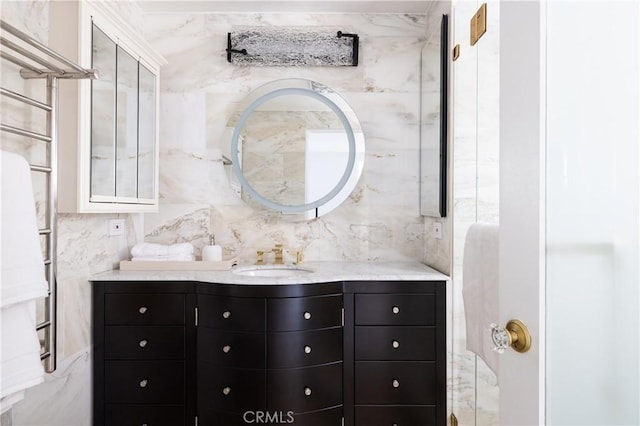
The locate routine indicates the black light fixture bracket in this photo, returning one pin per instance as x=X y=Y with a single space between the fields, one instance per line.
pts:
x=356 y=42
x=230 y=50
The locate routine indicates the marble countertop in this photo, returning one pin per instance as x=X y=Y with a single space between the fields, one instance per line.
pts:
x=321 y=272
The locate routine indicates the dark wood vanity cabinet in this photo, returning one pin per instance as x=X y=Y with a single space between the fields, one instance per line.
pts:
x=143 y=346
x=371 y=353
x=272 y=353
x=395 y=348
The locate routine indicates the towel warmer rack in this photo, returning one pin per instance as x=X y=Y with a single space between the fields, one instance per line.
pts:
x=31 y=63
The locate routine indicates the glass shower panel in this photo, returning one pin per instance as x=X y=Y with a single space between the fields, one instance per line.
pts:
x=593 y=214
x=464 y=149
x=488 y=185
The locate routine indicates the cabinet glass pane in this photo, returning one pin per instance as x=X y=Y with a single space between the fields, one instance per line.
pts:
x=146 y=133
x=127 y=125
x=103 y=115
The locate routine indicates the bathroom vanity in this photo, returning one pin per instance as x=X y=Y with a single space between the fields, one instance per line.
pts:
x=364 y=342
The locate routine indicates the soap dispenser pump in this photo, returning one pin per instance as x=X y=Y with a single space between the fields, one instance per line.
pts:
x=212 y=252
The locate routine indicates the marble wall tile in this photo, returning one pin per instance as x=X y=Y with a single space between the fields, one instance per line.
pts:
x=200 y=92
x=63 y=399
x=84 y=248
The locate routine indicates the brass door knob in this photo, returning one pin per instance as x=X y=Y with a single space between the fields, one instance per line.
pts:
x=515 y=334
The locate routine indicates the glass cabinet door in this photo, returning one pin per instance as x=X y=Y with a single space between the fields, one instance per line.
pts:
x=123 y=125
x=103 y=121
x=146 y=133
x=127 y=125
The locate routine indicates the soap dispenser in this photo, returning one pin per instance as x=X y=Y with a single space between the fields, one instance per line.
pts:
x=212 y=252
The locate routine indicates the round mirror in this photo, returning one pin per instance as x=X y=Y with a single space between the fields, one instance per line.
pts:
x=296 y=147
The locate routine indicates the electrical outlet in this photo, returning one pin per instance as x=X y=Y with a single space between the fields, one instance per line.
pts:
x=436 y=230
x=116 y=227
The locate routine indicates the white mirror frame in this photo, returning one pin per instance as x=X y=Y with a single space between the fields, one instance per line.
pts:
x=285 y=208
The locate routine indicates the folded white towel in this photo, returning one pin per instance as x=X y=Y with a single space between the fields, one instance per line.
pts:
x=21 y=261
x=176 y=257
x=20 y=366
x=480 y=290
x=152 y=249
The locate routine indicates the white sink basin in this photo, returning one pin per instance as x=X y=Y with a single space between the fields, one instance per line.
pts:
x=273 y=271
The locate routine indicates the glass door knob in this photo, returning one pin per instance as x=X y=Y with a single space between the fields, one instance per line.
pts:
x=515 y=335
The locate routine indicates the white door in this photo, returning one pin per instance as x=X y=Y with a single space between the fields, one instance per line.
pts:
x=522 y=227
x=570 y=211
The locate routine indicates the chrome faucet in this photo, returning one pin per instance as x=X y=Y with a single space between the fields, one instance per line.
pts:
x=279 y=256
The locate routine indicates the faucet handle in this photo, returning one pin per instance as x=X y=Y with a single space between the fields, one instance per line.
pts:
x=279 y=260
x=260 y=257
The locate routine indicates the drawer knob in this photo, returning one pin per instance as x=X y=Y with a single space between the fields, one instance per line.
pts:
x=226 y=390
x=394 y=424
x=142 y=310
x=395 y=310
x=226 y=349
x=307 y=315
x=142 y=343
x=395 y=383
x=395 y=344
x=307 y=349
x=143 y=383
x=226 y=314
x=307 y=391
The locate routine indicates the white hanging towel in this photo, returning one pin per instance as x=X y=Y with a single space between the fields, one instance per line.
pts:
x=480 y=289
x=22 y=280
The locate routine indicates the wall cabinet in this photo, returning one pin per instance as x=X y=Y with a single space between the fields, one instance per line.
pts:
x=366 y=353
x=108 y=126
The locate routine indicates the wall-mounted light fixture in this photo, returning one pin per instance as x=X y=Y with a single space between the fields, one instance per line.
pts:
x=292 y=46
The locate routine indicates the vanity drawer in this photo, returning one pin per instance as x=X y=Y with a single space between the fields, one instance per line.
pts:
x=231 y=389
x=399 y=415
x=305 y=389
x=209 y=416
x=144 y=309
x=144 y=342
x=144 y=382
x=328 y=417
x=231 y=313
x=395 y=382
x=304 y=313
x=150 y=415
x=304 y=348
x=395 y=343
x=231 y=348
x=395 y=309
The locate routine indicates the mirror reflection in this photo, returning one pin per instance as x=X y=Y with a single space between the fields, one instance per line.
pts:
x=103 y=174
x=297 y=148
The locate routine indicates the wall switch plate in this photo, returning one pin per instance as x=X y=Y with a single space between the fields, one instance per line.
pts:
x=436 y=230
x=116 y=227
